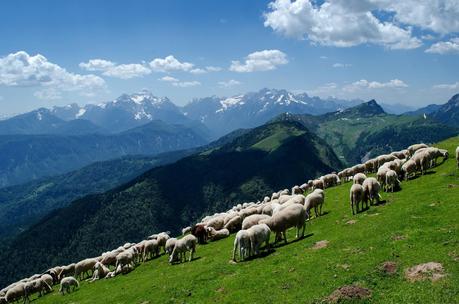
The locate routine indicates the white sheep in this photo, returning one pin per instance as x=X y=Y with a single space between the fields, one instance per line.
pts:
x=162 y=239
x=151 y=249
x=391 y=180
x=234 y=224
x=292 y=216
x=318 y=184
x=330 y=180
x=242 y=245
x=415 y=147
x=187 y=243
x=359 y=178
x=252 y=220
x=381 y=175
x=16 y=292
x=83 y=267
x=37 y=285
x=66 y=271
x=100 y=272
x=457 y=156
x=356 y=197
x=186 y=230
x=409 y=168
x=371 y=189
x=215 y=235
x=315 y=200
x=258 y=235
x=68 y=282
x=170 y=244
x=125 y=259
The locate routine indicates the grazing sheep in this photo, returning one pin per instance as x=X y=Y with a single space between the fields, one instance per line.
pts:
x=37 y=285
x=125 y=259
x=100 y=272
x=381 y=175
x=317 y=184
x=109 y=258
x=187 y=243
x=66 y=271
x=359 y=178
x=297 y=190
x=356 y=196
x=400 y=154
x=16 y=292
x=314 y=200
x=330 y=180
x=252 y=220
x=292 y=216
x=391 y=180
x=48 y=279
x=186 y=230
x=215 y=235
x=170 y=245
x=246 y=212
x=457 y=156
x=83 y=267
x=234 y=224
x=68 y=282
x=258 y=235
x=415 y=147
x=284 y=198
x=54 y=273
x=242 y=242
x=200 y=231
x=150 y=250
x=371 y=189
x=304 y=188
x=382 y=159
x=409 y=168
x=162 y=239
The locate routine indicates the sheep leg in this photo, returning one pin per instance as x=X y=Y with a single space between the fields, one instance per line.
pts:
x=285 y=236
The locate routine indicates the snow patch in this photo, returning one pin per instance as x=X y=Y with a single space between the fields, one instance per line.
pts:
x=80 y=113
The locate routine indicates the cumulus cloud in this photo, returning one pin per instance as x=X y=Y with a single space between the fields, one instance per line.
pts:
x=265 y=60
x=186 y=84
x=111 y=69
x=365 y=84
x=170 y=63
x=340 y=23
x=22 y=70
x=229 y=83
x=452 y=86
x=168 y=79
x=341 y=65
x=445 y=47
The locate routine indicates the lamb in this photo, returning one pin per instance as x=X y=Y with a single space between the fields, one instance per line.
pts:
x=17 y=292
x=359 y=178
x=66 y=270
x=200 y=231
x=242 y=242
x=391 y=180
x=292 y=216
x=314 y=200
x=457 y=156
x=252 y=220
x=83 y=267
x=409 y=168
x=150 y=250
x=356 y=196
x=234 y=224
x=258 y=235
x=186 y=230
x=100 y=272
x=187 y=243
x=216 y=235
x=170 y=243
x=371 y=189
x=68 y=282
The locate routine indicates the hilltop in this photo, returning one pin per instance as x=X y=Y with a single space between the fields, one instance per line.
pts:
x=413 y=226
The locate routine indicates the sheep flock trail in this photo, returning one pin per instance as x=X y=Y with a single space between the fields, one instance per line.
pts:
x=403 y=248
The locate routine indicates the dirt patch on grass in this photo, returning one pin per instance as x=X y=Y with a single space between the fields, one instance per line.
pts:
x=454 y=256
x=344 y=266
x=388 y=267
x=320 y=244
x=432 y=271
x=398 y=237
x=351 y=222
x=348 y=293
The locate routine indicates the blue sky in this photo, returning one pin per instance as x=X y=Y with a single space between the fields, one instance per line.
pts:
x=93 y=51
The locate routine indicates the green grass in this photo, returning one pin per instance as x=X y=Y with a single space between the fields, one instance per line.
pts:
x=425 y=212
x=274 y=141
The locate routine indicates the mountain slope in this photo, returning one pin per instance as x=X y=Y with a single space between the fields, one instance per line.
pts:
x=449 y=112
x=21 y=206
x=27 y=157
x=172 y=196
x=414 y=226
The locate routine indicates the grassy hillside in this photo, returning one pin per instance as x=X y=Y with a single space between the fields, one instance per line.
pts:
x=170 y=197
x=416 y=225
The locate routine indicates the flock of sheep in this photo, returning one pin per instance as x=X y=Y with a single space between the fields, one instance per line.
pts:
x=253 y=223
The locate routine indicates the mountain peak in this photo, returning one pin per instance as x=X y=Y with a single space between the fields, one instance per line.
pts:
x=369 y=108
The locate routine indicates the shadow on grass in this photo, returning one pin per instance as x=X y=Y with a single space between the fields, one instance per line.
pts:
x=262 y=254
x=186 y=261
x=282 y=243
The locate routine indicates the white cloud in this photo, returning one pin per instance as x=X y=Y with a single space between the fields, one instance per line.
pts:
x=127 y=71
x=339 y=23
x=365 y=84
x=341 y=65
x=205 y=70
x=229 y=83
x=445 y=47
x=186 y=84
x=265 y=60
x=452 y=86
x=198 y=71
x=97 y=65
x=168 y=79
x=20 y=69
x=170 y=63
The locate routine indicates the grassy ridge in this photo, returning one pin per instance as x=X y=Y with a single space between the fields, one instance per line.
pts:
x=425 y=213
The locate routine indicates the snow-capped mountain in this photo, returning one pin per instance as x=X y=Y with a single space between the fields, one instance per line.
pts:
x=125 y=112
x=222 y=115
